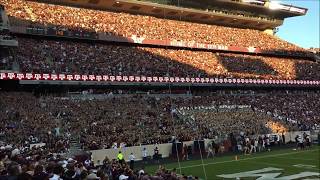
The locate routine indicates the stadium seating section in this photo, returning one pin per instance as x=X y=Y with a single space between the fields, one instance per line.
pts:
x=147 y=120
x=49 y=56
x=102 y=117
x=23 y=12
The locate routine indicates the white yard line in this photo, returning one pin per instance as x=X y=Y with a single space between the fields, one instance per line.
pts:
x=279 y=165
x=259 y=157
x=301 y=159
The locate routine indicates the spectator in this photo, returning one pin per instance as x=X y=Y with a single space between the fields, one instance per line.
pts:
x=120 y=157
x=131 y=160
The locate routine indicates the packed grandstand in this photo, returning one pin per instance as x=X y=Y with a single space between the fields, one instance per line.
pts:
x=210 y=82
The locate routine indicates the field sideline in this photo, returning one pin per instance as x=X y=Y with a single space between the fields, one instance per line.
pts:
x=282 y=164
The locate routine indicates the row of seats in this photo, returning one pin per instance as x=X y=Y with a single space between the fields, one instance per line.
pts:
x=51 y=56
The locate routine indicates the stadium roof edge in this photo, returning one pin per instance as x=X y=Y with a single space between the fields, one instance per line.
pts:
x=173 y=12
x=261 y=6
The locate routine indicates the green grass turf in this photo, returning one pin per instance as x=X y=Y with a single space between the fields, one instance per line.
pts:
x=283 y=159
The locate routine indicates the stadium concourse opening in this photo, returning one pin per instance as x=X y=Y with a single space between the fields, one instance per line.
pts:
x=144 y=90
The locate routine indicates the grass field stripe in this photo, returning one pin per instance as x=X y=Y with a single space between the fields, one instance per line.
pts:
x=304 y=165
x=300 y=159
x=285 y=166
x=258 y=157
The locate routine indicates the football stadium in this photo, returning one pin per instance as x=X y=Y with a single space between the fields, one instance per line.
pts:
x=156 y=90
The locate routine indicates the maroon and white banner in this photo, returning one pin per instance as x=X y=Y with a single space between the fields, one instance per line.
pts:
x=142 y=40
x=136 y=40
x=192 y=44
x=110 y=78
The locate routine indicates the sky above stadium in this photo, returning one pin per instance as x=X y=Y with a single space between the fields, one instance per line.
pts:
x=302 y=30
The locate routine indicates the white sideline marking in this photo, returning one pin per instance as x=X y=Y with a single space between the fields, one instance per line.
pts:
x=259 y=157
x=304 y=166
x=310 y=167
x=301 y=159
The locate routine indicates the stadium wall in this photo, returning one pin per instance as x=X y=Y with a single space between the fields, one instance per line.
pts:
x=164 y=149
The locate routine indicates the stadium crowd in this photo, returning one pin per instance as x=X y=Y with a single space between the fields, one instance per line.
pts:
x=234 y=121
x=133 y=119
x=24 y=13
x=41 y=163
x=315 y=51
x=136 y=120
x=50 y=56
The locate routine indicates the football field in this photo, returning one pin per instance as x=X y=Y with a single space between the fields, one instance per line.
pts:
x=279 y=165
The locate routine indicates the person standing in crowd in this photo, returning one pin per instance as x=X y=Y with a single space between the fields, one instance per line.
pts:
x=131 y=159
x=233 y=142
x=210 y=150
x=251 y=146
x=256 y=144
x=246 y=146
x=267 y=142
x=185 y=155
x=283 y=137
x=308 y=141
x=300 y=142
x=156 y=155
x=277 y=140
x=120 y=157
x=145 y=155
x=260 y=143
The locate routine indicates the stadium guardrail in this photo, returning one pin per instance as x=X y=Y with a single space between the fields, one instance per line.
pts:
x=43 y=78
